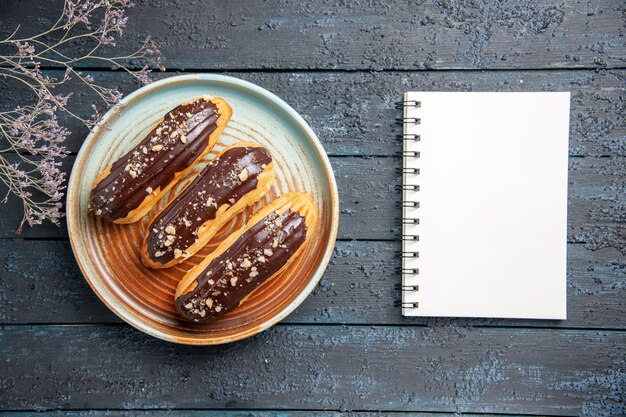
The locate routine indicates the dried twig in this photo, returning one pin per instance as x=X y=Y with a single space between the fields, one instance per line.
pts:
x=30 y=134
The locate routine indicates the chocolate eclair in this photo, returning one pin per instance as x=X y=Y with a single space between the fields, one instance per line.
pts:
x=256 y=253
x=126 y=190
x=239 y=176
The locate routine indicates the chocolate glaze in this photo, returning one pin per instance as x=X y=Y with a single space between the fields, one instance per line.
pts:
x=223 y=181
x=171 y=147
x=254 y=257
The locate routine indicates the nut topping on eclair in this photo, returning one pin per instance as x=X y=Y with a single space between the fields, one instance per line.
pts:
x=237 y=178
x=261 y=250
x=128 y=188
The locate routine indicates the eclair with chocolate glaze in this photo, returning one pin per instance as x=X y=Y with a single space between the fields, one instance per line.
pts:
x=237 y=178
x=251 y=256
x=126 y=190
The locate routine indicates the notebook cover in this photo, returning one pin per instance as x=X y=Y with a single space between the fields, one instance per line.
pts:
x=491 y=205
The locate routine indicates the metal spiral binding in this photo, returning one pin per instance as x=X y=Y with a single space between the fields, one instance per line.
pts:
x=409 y=183
x=406 y=304
x=407 y=287
x=409 y=187
x=409 y=136
x=407 y=103
x=409 y=121
x=414 y=171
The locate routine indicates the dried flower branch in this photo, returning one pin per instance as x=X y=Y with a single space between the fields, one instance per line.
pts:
x=30 y=135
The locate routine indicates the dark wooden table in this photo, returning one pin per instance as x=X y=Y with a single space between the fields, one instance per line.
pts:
x=342 y=65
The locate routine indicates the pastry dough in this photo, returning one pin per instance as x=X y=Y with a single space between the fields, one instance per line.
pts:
x=126 y=190
x=237 y=178
x=256 y=253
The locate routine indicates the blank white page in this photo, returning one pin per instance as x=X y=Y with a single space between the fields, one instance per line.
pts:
x=492 y=205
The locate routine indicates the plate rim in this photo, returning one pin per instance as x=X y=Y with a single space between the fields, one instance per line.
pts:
x=73 y=194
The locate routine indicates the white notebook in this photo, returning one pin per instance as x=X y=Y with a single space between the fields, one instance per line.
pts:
x=485 y=204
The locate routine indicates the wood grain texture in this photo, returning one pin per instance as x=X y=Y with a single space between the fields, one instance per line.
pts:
x=354 y=34
x=441 y=368
x=369 y=202
x=235 y=413
x=359 y=287
x=353 y=113
x=347 y=347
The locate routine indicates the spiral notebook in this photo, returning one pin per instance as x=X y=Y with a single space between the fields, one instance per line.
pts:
x=485 y=204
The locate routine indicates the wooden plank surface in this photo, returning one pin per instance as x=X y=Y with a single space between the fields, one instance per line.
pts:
x=234 y=413
x=353 y=113
x=369 y=202
x=342 y=65
x=359 y=287
x=436 y=368
x=237 y=413
x=394 y=34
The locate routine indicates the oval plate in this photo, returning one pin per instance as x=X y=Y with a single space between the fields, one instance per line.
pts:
x=108 y=254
